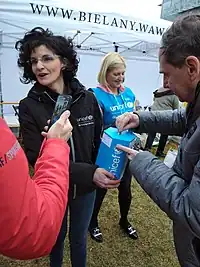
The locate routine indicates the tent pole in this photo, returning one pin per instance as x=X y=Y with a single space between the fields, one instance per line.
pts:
x=116 y=47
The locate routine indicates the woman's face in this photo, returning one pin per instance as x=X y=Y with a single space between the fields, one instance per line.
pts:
x=115 y=77
x=46 y=66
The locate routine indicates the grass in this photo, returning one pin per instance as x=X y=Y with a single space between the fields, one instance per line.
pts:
x=154 y=248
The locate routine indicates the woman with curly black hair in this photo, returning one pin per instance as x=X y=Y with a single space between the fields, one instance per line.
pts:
x=50 y=61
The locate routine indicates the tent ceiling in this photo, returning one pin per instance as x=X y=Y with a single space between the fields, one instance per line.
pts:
x=90 y=38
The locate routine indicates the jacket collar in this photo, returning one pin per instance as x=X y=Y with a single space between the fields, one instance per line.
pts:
x=44 y=94
x=164 y=92
x=108 y=90
x=193 y=108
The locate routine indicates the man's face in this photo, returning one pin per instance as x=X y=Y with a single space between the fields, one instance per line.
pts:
x=180 y=80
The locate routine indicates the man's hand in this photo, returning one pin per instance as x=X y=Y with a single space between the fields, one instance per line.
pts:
x=127 y=121
x=105 y=179
x=131 y=153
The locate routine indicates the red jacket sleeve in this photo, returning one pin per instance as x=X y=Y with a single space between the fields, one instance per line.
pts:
x=31 y=211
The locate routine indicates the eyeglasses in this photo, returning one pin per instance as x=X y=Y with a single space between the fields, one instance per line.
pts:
x=45 y=60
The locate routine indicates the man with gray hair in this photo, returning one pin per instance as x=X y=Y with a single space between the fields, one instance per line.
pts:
x=175 y=190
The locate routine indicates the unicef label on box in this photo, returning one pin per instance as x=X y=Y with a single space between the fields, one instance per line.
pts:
x=109 y=157
x=118 y=162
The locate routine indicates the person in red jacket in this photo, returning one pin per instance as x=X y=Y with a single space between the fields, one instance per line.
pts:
x=32 y=210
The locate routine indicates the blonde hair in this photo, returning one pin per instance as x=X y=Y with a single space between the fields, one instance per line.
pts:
x=110 y=61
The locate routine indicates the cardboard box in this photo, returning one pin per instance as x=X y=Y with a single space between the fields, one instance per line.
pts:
x=109 y=157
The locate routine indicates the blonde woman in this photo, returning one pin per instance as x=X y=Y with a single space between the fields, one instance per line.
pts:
x=114 y=100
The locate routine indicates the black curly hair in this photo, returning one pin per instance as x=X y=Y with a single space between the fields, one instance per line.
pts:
x=59 y=45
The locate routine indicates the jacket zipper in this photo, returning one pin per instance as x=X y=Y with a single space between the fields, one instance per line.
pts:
x=71 y=141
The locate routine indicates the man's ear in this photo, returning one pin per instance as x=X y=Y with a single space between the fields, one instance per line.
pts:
x=193 y=67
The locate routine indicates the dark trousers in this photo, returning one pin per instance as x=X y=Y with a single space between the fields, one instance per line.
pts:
x=80 y=212
x=161 y=145
x=124 y=199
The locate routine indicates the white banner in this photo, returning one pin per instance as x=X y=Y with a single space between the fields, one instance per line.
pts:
x=94 y=34
x=61 y=15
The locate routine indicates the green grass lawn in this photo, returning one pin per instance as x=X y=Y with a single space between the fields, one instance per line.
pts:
x=154 y=248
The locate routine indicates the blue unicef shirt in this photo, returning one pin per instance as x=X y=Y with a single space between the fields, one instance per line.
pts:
x=114 y=105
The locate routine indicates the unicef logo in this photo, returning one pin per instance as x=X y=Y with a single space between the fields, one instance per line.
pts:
x=129 y=104
x=117 y=151
x=90 y=117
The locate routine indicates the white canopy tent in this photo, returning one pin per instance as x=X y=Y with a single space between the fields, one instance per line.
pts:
x=94 y=34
